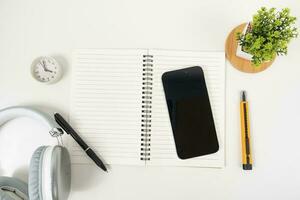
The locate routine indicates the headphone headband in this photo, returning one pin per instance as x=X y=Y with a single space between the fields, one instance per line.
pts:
x=13 y=112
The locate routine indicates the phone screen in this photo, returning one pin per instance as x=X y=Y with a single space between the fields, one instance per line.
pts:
x=190 y=112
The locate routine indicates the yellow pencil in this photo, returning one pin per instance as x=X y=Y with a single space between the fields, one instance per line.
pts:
x=245 y=131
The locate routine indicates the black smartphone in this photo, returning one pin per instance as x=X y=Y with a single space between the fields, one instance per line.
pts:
x=190 y=112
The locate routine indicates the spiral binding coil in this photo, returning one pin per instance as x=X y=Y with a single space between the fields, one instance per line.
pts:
x=146 y=106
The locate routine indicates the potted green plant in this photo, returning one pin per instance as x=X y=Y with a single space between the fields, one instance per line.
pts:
x=266 y=36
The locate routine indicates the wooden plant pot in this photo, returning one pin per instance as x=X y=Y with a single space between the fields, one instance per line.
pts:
x=239 y=63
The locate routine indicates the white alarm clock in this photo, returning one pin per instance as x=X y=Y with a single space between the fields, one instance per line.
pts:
x=46 y=70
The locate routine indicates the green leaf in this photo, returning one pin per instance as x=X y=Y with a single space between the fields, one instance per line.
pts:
x=270 y=33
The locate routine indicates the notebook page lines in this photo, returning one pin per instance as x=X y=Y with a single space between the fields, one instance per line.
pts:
x=106 y=104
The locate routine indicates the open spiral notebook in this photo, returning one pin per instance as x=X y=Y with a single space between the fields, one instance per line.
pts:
x=118 y=104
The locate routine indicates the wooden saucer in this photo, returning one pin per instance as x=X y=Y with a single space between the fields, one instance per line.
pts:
x=241 y=63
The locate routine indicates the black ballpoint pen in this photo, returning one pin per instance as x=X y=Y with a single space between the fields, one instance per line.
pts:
x=69 y=130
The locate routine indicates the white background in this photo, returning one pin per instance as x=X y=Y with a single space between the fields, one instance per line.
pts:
x=31 y=28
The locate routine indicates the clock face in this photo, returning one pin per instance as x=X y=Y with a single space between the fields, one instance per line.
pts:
x=46 y=70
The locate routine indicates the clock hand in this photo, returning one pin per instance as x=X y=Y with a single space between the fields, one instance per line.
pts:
x=47 y=70
x=44 y=67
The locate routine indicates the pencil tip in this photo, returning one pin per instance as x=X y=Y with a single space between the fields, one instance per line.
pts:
x=243 y=95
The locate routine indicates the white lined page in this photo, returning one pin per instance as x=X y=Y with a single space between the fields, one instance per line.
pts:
x=106 y=104
x=163 y=150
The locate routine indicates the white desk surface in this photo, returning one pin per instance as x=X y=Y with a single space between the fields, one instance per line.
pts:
x=32 y=28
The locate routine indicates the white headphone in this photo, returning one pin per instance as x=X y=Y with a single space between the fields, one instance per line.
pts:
x=50 y=168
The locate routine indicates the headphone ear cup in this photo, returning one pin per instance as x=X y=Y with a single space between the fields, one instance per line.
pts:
x=35 y=174
x=5 y=196
x=61 y=168
x=49 y=173
x=12 y=189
